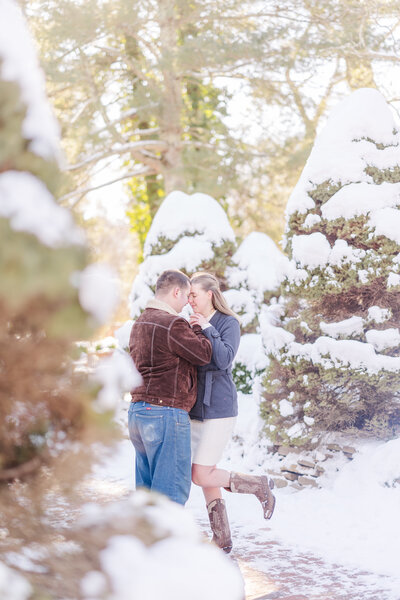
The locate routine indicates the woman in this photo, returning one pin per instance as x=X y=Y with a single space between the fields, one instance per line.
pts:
x=214 y=414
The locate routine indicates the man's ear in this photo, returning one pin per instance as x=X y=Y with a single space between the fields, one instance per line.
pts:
x=176 y=292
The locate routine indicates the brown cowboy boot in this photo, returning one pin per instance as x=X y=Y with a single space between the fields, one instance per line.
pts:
x=220 y=524
x=258 y=485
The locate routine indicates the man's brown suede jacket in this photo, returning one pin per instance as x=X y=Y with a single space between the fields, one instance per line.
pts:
x=166 y=351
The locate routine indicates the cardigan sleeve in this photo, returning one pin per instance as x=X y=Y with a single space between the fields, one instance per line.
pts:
x=225 y=342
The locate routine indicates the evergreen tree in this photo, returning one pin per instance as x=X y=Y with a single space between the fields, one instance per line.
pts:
x=41 y=249
x=190 y=233
x=133 y=83
x=314 y=53
x=335 y=358
x=43 y=408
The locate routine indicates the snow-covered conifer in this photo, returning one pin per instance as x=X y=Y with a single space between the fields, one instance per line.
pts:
x=41 y=250
x=190 y=233
x=335 y=361
x=254 y=281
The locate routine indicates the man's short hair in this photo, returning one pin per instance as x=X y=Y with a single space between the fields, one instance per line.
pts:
x=170 y=279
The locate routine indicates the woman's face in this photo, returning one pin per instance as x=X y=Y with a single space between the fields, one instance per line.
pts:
x=200 y=300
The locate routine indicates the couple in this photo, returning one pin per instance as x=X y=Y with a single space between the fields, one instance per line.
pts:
x=188 y=401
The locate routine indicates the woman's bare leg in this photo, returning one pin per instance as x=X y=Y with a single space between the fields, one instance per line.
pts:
x=211 y=494
x=211 y=480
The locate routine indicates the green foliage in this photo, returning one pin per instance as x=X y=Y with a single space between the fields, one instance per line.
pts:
x=336 y=399
x=221 y=260
x=147 y=196
x=29 y=269
x=244 y=377
x=140 y=221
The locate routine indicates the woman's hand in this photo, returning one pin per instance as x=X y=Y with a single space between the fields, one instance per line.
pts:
x=198 y=319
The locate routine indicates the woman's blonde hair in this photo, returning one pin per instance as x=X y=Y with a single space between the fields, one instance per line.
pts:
x=209 y=282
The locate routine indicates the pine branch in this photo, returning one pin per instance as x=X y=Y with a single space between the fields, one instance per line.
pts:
x=126 y=115
x=82 y=192
x=130 y=148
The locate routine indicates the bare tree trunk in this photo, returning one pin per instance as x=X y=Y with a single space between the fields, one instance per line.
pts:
x=171 y=110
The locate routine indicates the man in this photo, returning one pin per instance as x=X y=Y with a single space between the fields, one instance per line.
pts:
x=166 y=351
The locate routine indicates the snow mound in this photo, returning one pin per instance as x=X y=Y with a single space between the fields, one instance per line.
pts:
x=353 y=520
x=333 y=158
x=178 y=564
x=261 y=266
x=251 y=352
x=361 y=199
x=352 y=326
x=197 y=214
x=193 y=227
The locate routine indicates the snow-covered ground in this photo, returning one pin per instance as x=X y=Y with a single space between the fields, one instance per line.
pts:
x=350 y=527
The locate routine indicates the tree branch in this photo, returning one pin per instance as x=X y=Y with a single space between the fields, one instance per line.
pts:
x=114 y=132
x=83 y=192
x=323 y=103
x=21 y=471
x=297 y=99
x=126 y=115
x=131 y=148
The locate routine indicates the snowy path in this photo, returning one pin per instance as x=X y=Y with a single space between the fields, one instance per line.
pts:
x=271 y=569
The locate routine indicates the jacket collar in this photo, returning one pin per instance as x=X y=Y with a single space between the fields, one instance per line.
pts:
x=160 y=305
x=211 y=316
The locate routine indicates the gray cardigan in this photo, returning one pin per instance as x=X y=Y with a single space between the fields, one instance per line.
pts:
x=216 y=392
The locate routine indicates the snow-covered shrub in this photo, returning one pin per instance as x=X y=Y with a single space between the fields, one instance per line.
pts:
x=254 y=281
x=255 y=278
x=41 y=249
x=122 y=545
x=151 y=534
x=111 y=550
x=189 y=233
x=335 y=358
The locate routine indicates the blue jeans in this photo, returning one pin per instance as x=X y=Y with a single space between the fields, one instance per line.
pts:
x=161 y=437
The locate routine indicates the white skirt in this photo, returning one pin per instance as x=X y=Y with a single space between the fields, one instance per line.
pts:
x=209 y=438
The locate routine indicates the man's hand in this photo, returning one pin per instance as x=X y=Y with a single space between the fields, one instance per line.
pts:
x=198 y=319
